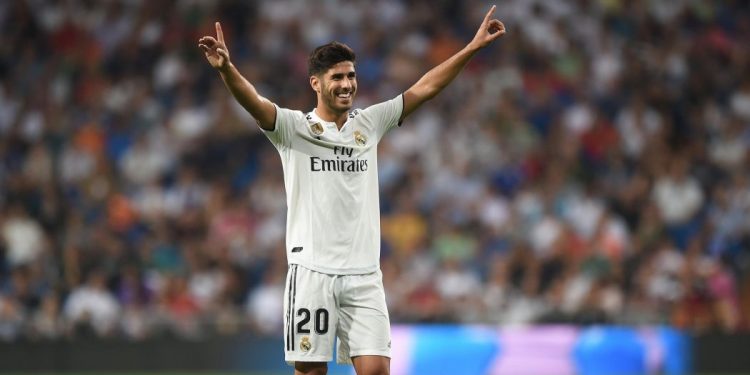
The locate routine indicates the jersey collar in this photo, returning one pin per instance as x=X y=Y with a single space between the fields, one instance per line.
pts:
x=313 y=118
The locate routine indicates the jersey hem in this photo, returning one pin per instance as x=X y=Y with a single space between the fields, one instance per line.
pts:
x=334 y=271
x=348 y=360
x=290 y=361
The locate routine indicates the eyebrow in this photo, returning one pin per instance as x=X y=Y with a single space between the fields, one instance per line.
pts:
x=341 y=75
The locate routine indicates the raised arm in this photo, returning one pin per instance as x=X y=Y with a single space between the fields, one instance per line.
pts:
x=440 y=76
x=217 y=55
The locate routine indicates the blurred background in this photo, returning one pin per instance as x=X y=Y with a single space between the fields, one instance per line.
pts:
x=589 y=168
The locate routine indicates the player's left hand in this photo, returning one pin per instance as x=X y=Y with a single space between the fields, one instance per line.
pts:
x=489 y=30
x=215 y=49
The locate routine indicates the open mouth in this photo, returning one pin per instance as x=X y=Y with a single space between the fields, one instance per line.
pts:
x=347 y=95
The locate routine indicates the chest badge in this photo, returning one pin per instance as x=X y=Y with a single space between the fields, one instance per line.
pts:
x=305 y=344
x=316 y=128
x=359 y=138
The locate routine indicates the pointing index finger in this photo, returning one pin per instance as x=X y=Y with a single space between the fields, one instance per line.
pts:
x=219 y=33
x=489 y=14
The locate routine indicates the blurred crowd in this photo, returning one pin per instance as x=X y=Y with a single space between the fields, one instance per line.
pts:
x=590 y=167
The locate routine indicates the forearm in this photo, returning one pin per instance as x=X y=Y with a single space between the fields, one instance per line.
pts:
x=440 y=76
x=436 y=79
x=245 y=93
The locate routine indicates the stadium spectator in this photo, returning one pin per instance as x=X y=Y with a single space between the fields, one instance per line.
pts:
x=593 y=167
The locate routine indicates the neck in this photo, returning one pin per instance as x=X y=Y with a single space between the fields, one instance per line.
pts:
x=326 y=114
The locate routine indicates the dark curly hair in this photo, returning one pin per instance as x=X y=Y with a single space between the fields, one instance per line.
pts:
x=328 y=55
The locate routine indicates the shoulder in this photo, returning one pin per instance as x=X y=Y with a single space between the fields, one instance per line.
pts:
x=285 y=126
x=387 y=112
x=395 y=101
x=387 y=106
x=291 y=114
x=289 y=118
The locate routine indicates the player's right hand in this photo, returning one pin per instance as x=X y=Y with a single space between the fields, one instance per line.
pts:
x=215 y=49
x=489 y=30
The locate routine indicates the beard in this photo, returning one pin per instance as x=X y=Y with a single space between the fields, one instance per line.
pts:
x=336 y=104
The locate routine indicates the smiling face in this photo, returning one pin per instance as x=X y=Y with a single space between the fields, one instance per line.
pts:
x=336 y=87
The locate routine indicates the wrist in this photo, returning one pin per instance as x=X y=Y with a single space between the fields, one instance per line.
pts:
x=473 y=47
x=224 y=69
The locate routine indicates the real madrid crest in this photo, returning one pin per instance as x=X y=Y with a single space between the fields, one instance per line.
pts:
x=359 y=138
x=316 y=128
x=305 y=344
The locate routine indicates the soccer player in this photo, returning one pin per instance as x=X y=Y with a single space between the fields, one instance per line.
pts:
x=334 y=285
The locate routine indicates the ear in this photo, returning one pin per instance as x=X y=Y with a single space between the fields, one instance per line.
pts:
x=315 y=83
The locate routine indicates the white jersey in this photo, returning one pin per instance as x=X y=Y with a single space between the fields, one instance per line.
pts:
x=331 y=181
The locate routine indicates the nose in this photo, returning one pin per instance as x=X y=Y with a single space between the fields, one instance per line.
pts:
x=347 y=84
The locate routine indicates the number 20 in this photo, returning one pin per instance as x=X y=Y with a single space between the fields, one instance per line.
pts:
x=320 y=323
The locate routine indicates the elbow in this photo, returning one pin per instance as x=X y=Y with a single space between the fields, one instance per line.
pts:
x=432 y=93
x=426 y=92
x=265 y=120
x=431 y=90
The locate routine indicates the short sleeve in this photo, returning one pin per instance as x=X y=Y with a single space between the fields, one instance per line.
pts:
x=283 y=130
x=385 y=115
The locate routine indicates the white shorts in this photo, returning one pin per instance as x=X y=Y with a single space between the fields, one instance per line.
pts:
x=319 y=307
